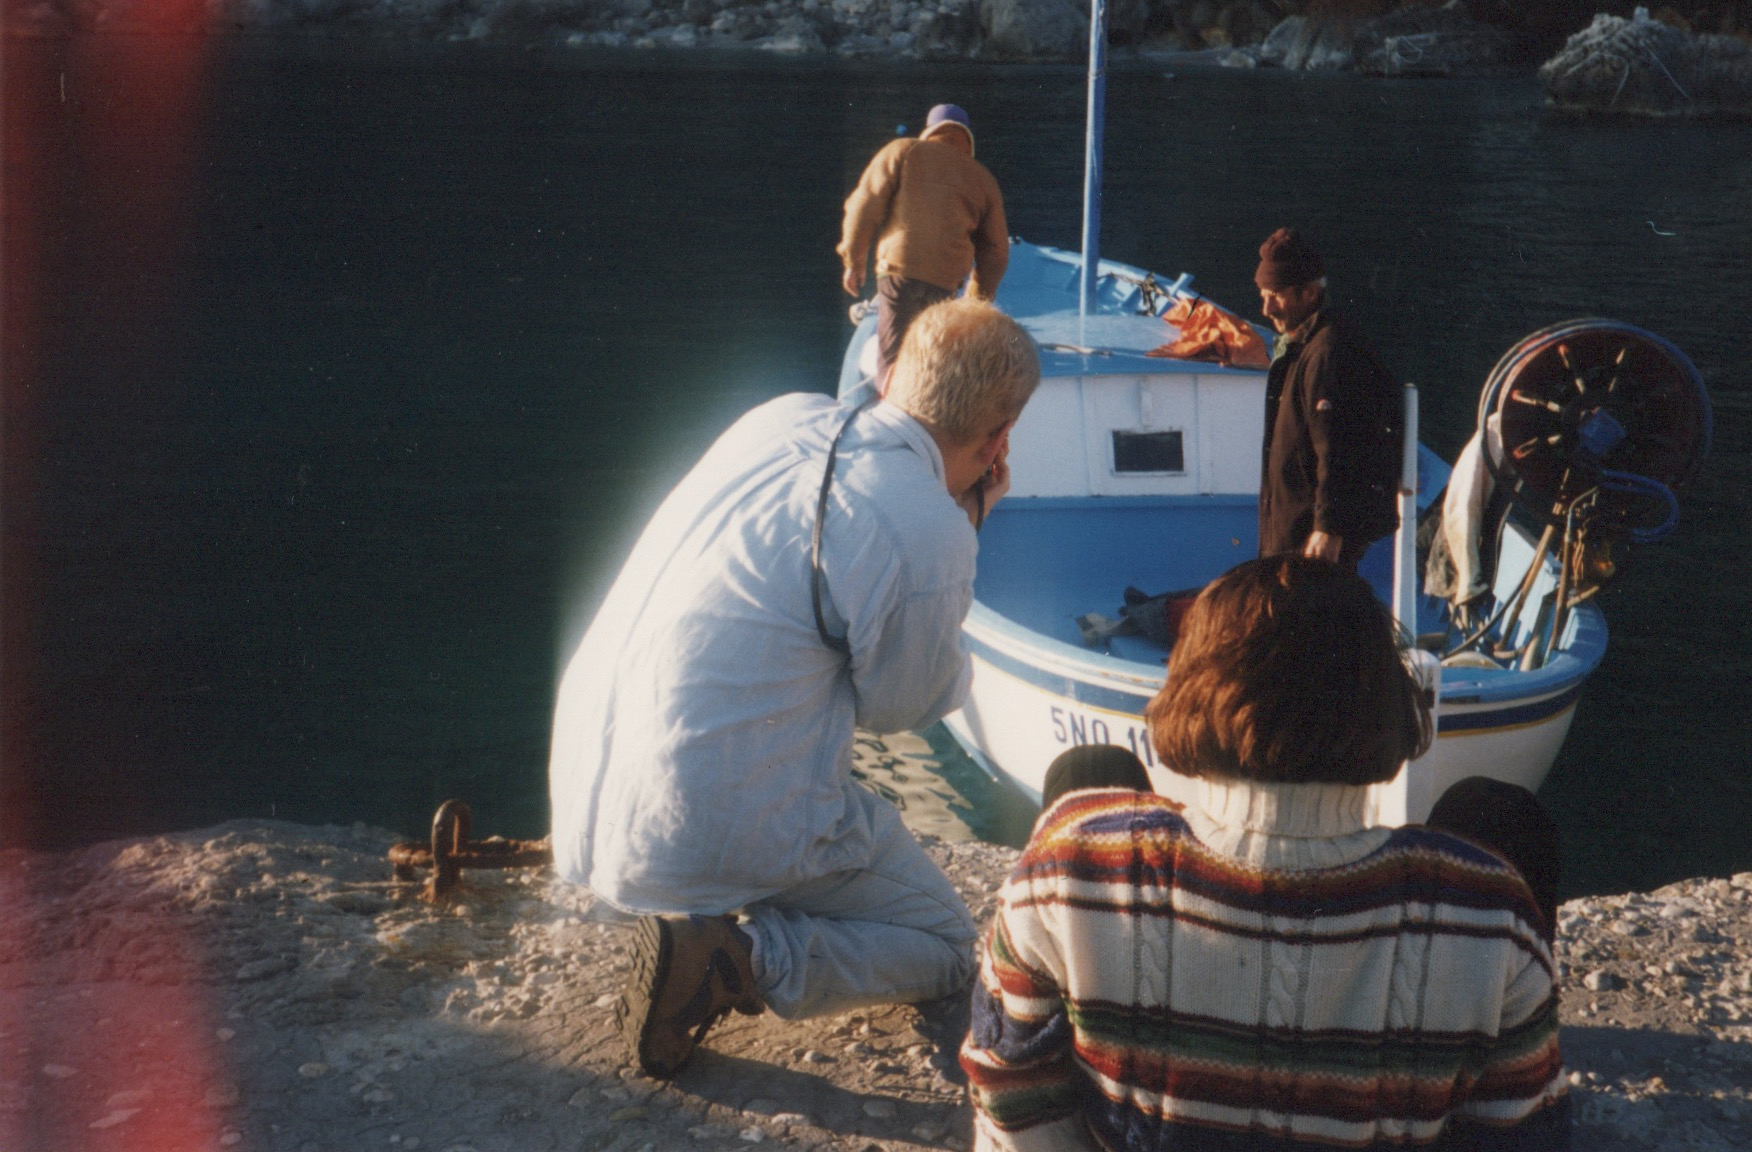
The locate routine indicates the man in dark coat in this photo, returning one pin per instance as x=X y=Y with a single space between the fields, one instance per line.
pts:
x=1329 y=468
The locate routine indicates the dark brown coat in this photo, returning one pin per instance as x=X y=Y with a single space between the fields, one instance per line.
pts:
x=1332 y=450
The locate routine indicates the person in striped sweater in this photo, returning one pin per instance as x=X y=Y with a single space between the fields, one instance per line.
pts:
x=1259 y=969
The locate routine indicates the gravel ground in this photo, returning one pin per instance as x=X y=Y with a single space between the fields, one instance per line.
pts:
x=265 y=985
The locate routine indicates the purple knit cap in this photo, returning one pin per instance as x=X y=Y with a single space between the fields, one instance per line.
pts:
x=947 y=114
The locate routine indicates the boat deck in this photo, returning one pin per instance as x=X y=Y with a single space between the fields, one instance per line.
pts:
x=1043 y=562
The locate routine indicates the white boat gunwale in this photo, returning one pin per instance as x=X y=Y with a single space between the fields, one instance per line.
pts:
x=1099 y=680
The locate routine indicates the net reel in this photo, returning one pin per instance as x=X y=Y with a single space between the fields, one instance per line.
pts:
x=1590 y=426
x=1597 y=408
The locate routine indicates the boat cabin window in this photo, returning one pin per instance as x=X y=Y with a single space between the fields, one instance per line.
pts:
x=1135 y=452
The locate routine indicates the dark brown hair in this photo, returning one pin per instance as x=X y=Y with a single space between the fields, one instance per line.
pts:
x=1288 y=670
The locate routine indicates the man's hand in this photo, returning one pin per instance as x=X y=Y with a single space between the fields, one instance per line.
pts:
x=853 y=281
x=1323 y=546
x=978 y=500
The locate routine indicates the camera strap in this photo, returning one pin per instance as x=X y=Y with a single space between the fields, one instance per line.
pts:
x=841 y=644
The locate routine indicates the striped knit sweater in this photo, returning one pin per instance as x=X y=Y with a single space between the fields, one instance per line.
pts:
x=1260 y=971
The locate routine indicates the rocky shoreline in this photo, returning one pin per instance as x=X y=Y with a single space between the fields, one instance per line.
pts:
x=270 y=986
x=1412 y=40
x=1644 y=66
x=1654 y=65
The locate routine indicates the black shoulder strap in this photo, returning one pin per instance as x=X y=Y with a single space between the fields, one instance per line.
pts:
x=841 y=644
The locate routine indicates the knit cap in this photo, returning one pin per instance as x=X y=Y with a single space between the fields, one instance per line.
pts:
x=1286 y=260
x=947 y=114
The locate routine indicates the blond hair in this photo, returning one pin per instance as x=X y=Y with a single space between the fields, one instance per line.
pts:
x=965 y=368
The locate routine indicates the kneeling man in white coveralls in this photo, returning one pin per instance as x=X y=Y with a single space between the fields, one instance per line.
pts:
x=810 y=575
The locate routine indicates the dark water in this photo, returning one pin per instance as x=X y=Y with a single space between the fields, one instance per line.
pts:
x=341 y=375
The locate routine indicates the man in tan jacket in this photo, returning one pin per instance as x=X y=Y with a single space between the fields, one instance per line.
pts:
x=935 y=215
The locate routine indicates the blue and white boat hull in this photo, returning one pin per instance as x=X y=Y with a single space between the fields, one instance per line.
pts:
x=1130 y=470
x=1024 y=711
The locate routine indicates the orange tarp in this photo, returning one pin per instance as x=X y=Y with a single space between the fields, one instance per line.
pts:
x=1209 y=333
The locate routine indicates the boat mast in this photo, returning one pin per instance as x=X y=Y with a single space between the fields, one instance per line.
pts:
x=1092 y=154
x=1405 y=538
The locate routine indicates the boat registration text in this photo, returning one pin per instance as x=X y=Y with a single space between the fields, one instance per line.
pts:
x=1073 y=726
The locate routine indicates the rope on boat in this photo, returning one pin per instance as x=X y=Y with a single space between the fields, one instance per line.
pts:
x=1151 y=292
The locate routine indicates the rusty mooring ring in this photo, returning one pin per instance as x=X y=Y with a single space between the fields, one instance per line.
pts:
x=452 y=850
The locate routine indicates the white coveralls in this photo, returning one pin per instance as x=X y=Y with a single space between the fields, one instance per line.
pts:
x=702 y=744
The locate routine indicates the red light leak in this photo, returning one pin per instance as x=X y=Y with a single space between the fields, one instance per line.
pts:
x=102 y=135
x=107 y=1038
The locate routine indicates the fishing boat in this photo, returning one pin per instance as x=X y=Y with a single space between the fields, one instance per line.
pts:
x=1137 y=471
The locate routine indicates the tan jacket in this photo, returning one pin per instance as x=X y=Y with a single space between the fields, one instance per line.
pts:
x=935 y=214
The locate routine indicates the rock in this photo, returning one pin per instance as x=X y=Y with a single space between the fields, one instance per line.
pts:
x=222 y=1096
x=1034 y=29
x=1601 y=981
x=1128 y=22
x=1245 y=22
x=1642 y=65
x=1412 y=41
x=796 y=34
x=1203 y=25
x=950 y=31
x=119 y=1116
x=261 y=969
x=1443 y=41
x=711 y=1132
x=1306 y=44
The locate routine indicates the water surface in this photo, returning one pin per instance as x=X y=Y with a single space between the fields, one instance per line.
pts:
x=354 y=368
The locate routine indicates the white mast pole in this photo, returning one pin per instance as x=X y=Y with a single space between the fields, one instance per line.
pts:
x=1092 y=132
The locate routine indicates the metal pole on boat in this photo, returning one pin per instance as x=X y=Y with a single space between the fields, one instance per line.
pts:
x=1406 y=799
x=1405 y=540
x=1092 y=131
